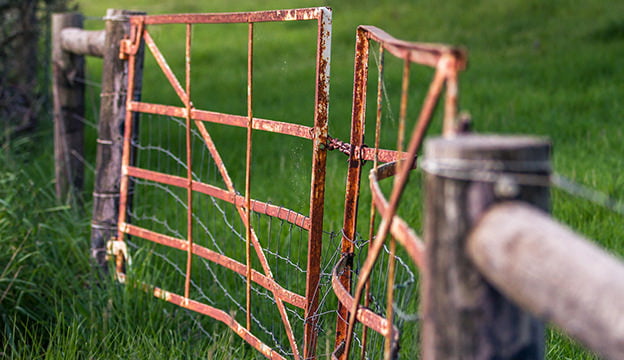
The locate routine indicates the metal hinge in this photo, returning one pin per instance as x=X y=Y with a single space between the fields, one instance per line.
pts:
x=125 y=48
x=129 y=45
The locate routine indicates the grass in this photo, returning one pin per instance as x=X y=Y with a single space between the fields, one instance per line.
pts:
x=545 y=68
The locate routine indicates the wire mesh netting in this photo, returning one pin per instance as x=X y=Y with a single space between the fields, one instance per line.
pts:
x=218 y=226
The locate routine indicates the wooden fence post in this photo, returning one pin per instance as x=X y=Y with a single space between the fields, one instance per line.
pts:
x=110 y=133
x=464 y=317
x=68 y=98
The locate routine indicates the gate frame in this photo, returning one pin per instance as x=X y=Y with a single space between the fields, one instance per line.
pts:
x=317 y=133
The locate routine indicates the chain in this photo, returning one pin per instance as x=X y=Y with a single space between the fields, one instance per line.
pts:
x=344 y=147
x=335 y=144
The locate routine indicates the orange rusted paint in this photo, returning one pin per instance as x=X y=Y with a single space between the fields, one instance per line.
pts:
x=226 y=262
x=248 y=177
x=364 y=315
x=361 y=152
x=218 y=315
x=352 y=192
x=162 y=63
x=244 y=204
x=399 y=228
x=189 y=164
x=317 y=187
x=278 y=127
x=420 y=53
x=279 y=212
x=239 y=17
x=447 y=61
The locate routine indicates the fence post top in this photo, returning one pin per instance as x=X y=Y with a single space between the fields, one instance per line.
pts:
x=121 y=14
x=475 y=146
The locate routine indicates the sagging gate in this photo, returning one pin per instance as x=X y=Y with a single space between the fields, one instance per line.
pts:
x=252 y=257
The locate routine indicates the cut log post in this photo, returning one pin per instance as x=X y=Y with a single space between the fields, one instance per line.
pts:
x=556 y=274
x=68 y=97
x=110 y=133
x=464 y=317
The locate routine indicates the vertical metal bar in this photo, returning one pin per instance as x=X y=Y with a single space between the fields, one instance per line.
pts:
x=450 y=105
x=403 y=109
x=417 y=136
x=352 y=192
x=259 y=251
x=248 y=169
x=391 y=258
x=317 y=187
x=388 y=349
x=125 y=157
x=373 y=211
x=380 y=89
x=189 y=166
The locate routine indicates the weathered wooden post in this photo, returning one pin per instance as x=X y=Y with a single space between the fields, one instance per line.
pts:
x=68 y=97
x=464 y=317
x=110 y=133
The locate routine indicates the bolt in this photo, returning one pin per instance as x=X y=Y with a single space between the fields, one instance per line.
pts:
x=506 y=187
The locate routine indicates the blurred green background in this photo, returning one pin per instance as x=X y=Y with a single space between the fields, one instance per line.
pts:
x=545 y=68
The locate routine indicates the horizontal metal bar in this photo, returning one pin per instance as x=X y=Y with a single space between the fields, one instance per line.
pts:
x=383 y=156
x=389 y=169
x=157 y=109
x=420 y=53
x=364 y=315
x=157 y=177
x=226 y=262
x=219 y=315
x=234 y=17
x=278 y=127
x=279 y=212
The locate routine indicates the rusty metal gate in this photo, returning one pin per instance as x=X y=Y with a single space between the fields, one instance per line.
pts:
x=196 y=118
x=447 y=62
x=185 y=185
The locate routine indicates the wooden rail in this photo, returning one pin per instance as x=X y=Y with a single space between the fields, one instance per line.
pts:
x=83 y=42
x=554 y=273
x=497 y=265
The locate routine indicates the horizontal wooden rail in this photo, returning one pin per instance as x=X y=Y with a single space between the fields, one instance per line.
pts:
x=83 y=42
x=554 y=273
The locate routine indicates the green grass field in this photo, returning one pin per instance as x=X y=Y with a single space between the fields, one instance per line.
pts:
x=543 y=68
